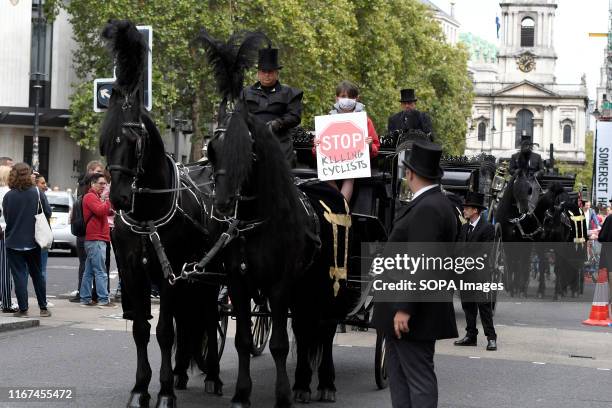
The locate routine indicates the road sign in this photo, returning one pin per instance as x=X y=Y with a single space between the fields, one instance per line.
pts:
x=103 y=88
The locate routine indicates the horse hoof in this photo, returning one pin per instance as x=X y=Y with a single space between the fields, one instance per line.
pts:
x=213 y=387
x=139 y=400
x=301 y=396
x=166 y=401
x=327 y=395
x=180 y=381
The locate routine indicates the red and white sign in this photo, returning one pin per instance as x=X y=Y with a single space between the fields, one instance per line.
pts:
x=342 y=152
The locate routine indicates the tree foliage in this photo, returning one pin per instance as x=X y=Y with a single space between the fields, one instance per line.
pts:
x=382 y=45
x=584 y=173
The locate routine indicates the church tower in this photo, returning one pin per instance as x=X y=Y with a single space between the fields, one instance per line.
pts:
x=527 y=51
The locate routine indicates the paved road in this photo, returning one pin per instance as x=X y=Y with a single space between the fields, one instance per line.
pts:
x=546 y=358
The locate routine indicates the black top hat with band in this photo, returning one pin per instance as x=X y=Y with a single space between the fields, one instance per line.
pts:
x=424 y=159
x=475 y=200
x=268 y=59
x=407 y=95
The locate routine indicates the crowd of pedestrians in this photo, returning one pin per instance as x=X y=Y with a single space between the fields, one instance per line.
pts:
x=22 y=196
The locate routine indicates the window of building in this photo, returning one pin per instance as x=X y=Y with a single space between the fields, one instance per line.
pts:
x=482 y=132
x=524 y=123
x=567 y=134
x=527 y=32
x=43 y=154
x=40 y=56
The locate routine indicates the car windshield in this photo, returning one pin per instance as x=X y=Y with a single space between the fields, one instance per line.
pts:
x=59 y=203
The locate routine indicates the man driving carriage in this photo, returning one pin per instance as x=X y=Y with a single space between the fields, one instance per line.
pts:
x=410 y=118
x=279 y=106
x=526 y=158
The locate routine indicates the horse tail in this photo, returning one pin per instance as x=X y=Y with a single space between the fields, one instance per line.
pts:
x=231 y=59
x=129 y=49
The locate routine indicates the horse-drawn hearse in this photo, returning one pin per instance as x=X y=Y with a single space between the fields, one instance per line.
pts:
x=244 y=227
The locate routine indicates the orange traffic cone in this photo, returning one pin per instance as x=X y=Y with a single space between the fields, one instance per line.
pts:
x=600 y=310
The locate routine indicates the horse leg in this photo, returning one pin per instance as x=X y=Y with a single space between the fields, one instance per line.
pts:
x=212 y=383
x=141 y=328
x=181 y=356
x=327 y=371
x=304 y=332
x=241 y=303
x=165 y=337
x=279 y=345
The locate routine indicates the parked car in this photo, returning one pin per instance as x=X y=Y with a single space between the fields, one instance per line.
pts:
x=61 y=203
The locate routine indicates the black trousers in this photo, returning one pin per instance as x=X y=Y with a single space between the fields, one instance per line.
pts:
x=412 y=379
x=471 y=310
x=83 y=257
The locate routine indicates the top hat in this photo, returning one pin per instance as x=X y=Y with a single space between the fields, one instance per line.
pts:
x=424 y=159
x=526 y=139
x=474 y=199
x=268 y=59
x=407 y=95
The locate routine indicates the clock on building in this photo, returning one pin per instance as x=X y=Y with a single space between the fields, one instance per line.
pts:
x=526 y=63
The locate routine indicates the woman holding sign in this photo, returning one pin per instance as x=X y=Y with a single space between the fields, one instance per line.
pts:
x=347 y=101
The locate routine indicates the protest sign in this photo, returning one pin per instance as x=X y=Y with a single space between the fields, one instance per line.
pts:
x=342 y=152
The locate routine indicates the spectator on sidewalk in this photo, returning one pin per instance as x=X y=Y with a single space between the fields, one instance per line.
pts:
x=41 y=183
x=96 y=209
x=5 y=276
x=93 y=167
x=19 y=206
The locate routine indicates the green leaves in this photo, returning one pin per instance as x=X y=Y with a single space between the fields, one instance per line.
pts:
x=382 y=45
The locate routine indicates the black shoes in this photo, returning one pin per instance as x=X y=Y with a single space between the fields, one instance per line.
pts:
x=466 y=341
x=491 y=345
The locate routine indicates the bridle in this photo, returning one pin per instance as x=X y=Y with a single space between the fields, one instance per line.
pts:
x=220 y=134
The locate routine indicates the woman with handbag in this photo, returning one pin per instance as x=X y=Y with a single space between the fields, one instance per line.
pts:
x=26 y=212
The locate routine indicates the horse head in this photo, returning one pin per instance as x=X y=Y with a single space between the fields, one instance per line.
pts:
x=522 y=191
x=231 y=151
x=125 y=131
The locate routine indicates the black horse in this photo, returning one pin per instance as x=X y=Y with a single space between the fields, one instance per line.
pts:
x=275 y=259
x=161 y=223
x=564 y=245
x=520 y=228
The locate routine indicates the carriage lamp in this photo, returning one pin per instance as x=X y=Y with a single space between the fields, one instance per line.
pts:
x=498 y=183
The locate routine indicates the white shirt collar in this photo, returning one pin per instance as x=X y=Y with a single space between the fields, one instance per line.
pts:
x=422 y=190
x=473 y=224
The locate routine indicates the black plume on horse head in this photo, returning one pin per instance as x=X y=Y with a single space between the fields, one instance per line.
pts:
x=231 y=59
x=129 y=49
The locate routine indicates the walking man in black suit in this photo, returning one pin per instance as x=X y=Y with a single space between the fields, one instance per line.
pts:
x=477 y=229
x=412 y=328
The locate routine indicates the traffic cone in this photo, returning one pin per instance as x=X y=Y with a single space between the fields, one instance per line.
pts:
x=600 y=310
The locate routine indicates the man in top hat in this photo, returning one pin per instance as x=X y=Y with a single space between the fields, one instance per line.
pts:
x=410 y=117
x=526 y=159
x=412 y=328
x=279 y=106
x=477 y=229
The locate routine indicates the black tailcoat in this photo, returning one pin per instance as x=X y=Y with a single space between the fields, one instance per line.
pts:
x=428 y=218
x=534 y=163
x=406 y=120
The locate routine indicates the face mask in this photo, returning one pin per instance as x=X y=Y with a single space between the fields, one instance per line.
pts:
x=347 y=104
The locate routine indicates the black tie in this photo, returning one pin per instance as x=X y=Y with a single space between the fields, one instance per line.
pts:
x=470 y=229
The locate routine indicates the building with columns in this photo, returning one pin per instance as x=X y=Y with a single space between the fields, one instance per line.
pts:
x=520 y=95
x=449 y=25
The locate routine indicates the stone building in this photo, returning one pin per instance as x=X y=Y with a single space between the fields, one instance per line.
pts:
x=519 y=93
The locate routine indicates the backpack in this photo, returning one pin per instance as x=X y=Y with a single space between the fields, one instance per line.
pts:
x=78 y=225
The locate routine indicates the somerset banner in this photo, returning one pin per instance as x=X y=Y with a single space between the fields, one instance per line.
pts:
x=603 y=164
x=342 y=152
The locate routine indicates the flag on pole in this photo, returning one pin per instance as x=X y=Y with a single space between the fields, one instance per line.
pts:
x=498 y=24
